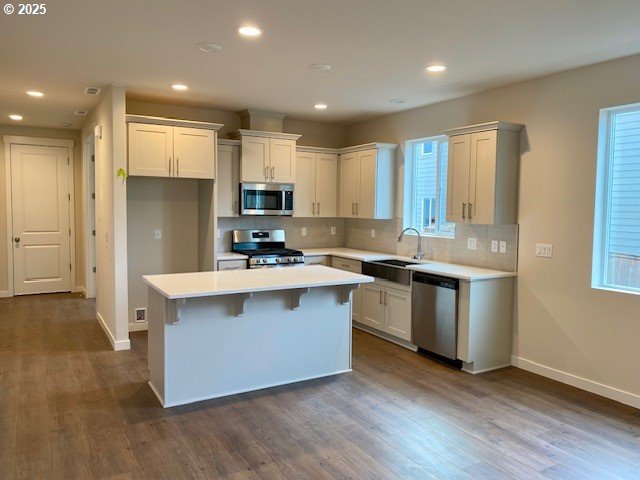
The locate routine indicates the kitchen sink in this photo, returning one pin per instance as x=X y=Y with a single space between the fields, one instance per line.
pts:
x=396 y=263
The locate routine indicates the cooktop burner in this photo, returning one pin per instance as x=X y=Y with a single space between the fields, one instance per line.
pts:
x=265 y=248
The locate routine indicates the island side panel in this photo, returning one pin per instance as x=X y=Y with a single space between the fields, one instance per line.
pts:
x=212 y=352
x=155 y=342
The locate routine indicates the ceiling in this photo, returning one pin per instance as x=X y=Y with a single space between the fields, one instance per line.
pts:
x=378 y=50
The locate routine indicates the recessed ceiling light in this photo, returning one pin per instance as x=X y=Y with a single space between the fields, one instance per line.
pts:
x=179 y=86
x=15 y=117
x=208 y=47
x=320 y=67
x=320 y=106
x=436 y=68
x=35 y=93
x=397 y=100
x=249 y=31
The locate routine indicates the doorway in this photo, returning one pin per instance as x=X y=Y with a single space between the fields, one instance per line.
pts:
x=40 y=215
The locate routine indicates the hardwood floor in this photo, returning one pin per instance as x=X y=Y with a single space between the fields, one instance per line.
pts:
x=70 y=408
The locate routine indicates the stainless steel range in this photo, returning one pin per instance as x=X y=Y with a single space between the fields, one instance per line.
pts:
x=265 y=248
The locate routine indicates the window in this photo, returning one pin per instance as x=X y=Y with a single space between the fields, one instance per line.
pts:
x=616 y=251
x=426 y=186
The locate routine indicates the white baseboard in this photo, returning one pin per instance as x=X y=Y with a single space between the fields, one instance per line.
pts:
x=115 y=344
x=607 y=391
x=483 y=370
x=138 y=327
x=80 y=289
x=5 y=294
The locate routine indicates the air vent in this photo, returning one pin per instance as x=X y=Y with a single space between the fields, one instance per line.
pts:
x=92 y=90
x=80 y=113
x=141 y=314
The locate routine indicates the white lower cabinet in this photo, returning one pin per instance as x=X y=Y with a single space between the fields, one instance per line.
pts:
x=317 y=260
x=387 y=309
x=231 y=265
x=356 y=299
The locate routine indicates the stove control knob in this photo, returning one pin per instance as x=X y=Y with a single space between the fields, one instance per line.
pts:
x=289 y=259
x=277 y=260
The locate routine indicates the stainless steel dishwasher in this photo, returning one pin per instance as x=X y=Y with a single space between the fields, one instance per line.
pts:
x=434 y=314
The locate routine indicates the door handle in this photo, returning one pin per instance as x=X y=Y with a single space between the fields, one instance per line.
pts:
x=470 y=214
x=17 y=239
x=464 y=208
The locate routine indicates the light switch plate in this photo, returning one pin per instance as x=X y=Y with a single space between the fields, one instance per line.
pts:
x=494 y=246
x=303 y=231
x=158 y=234
x=544 y=250
x=373 y=233
x=472 y=243
x=503 y=246
x=333 y=230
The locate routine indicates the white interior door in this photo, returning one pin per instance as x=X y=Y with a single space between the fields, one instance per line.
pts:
x=40 y=210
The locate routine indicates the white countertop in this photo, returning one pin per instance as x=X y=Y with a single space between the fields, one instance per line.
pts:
x=206 y=284
x=452 y=270
x=231 y=256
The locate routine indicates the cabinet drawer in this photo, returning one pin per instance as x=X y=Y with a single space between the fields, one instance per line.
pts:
x=316 y=260
x=346 y=264
x=231 y=265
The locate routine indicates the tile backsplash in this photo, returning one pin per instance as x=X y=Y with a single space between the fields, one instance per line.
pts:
x=356 y=233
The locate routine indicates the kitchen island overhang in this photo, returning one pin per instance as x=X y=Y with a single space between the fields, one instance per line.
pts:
x=213 y=334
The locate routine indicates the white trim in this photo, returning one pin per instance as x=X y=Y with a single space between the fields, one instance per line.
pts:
x=242 y=132
x=116 y=345
x=38 y=141
x=5 y=294
x=82 y=290
x=367 y=146
x=10 y=140
x=330 y=151
x=9 y=214
x=483 y=127
x=175 y=122
x=390 y=338
x=138 y=327
x=90 y=280
x=607 y=391
x=228 y=141
x=483 y=370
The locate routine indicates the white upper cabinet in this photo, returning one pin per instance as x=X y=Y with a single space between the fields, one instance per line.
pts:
x=367 y=181
x=316 y=191
x=150 y=150
x=267 y=157
x=482 y=173
x=228 y=179
x=163 y=147
x=194 y=150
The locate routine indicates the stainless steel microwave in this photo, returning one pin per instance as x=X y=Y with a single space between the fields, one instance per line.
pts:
x=266 y=199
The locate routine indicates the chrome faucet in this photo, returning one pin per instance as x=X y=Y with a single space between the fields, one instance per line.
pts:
x=419 y=253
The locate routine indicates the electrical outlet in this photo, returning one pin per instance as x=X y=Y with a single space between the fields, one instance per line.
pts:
x=503 y=246
x=544 y=250
x=303 y=231
x=494 y=246
x=158 y=234
x=333 y=230
x=472 y=243
x=373 y=233
x=141 y=314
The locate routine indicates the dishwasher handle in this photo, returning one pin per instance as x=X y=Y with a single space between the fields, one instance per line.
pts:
x=436 y=280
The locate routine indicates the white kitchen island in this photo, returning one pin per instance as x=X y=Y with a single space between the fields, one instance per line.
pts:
x=213 y=334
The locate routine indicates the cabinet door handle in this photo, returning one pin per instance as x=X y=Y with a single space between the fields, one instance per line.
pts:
x=381 y=301
x=266 y=173
x=177 y=167
x=464 y=208
x=318 y=208
x=386 y=298
x=357 y=208
x=353 y=209
x=313 y=208
x=170 y=173
x=273 y=169
x=470 y=214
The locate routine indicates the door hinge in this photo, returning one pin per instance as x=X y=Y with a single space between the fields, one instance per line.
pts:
x=69 y=266
x=69 y=196
x=93 y=232
x=67 y=160
x=94 y=269
x=69 y=232
x=93 y=158
x=93 y=196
